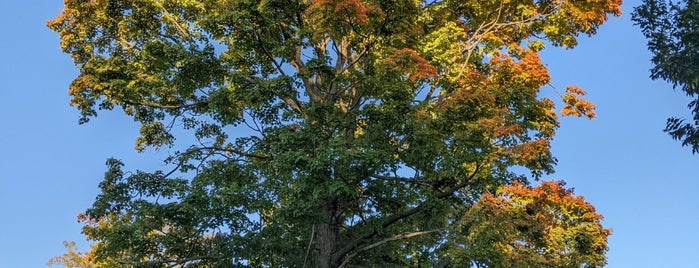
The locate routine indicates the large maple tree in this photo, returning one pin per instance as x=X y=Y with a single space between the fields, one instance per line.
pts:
x=327 y=133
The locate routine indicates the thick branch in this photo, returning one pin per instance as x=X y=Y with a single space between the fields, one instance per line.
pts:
x=177 y=25
x=340 y=254
x=392 y=238
x=428 y=97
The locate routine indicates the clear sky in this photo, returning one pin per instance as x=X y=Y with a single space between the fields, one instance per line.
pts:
x=642 y=181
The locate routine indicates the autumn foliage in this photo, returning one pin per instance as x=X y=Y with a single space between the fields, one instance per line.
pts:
x=575 y=106
x=541 y=226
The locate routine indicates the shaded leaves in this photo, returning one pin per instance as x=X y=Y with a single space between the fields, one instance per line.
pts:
x=672 y=30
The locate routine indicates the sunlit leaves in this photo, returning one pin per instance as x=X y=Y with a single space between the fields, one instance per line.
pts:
x=442 y=46
x=75 y=259
x=355 y=10
x=541 y=226
x=574 y=105
x=153 y=134
x=410 y=62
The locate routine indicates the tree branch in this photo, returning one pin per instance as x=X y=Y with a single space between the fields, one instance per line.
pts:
x=293 y=103
x=310 y=242
x=170 y=263
x=236 y=152
x=399 y=216
x=417 y=181
x=392 y=238
x=165 y=106
x=297 y=63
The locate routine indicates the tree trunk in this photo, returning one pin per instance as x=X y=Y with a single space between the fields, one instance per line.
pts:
x=327 y=235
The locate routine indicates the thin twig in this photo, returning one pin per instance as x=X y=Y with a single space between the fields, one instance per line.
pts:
x=308 y=250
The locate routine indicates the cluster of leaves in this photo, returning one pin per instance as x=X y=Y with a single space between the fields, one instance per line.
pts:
x=672 y=30
x=543 y=226
x=74 y=259
x=324 y=129
x=576 y=106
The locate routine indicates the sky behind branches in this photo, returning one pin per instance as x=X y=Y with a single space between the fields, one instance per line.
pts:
x=642 y=181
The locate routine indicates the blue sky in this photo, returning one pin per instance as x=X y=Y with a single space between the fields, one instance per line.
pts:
x=642 y=181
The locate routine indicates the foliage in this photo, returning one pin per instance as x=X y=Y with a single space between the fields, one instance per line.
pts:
x=672 y=30
x=543 y=226
x=74 y=259
x=324 y=129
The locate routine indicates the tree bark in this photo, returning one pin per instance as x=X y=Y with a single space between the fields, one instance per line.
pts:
x=326 y=235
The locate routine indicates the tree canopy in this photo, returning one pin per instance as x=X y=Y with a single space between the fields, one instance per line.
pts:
x=326 y=133
x=672 y=30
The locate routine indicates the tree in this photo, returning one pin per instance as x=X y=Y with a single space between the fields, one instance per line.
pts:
x=672 y=30
x=328 y=133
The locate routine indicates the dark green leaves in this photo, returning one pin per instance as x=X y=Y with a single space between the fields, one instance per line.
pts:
x=672 y=30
